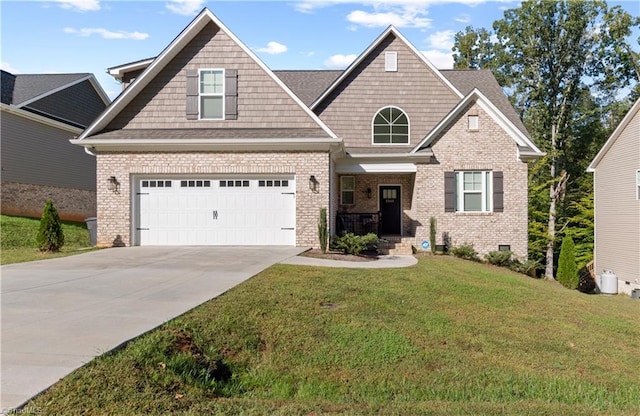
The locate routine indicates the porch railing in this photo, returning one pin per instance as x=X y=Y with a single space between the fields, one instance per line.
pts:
x=358 y=223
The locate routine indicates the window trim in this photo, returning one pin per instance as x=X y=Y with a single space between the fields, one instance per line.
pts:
x=342 y=190
x=408 y=143
x=486 y=192
x=221 y=95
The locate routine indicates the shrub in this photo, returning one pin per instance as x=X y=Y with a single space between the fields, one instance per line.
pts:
x=499 y=258
x=465 y=251
x=355 y=244
x=528 y=267
x=432 y=234
x=323 y=233
x=50 y=237
x=567 y=273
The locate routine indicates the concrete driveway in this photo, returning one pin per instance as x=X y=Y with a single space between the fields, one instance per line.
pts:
x=58 y=314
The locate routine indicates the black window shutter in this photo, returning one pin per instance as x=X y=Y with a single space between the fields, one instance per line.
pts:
x=498 y=193
x=192 y=94
x=449 y=192
x=231 y=94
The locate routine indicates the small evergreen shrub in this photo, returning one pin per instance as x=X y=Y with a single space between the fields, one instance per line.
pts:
x=567 y=273
x=465 y=251
x=323 y=233
x=432 y=234
x=355 y=244
x=528 y=267
x=50 y=237
x=499 y=258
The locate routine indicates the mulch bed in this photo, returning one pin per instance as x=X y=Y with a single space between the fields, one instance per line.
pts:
x=335 y=255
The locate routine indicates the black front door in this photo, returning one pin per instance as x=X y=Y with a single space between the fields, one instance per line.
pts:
x=390 y=210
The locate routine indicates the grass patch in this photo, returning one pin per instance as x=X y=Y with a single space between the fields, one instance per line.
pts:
x=18 y=239
x=444 y=337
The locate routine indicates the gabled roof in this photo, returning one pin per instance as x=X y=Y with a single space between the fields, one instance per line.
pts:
x=468 y=79
x=197 y=24
x=32 y=87
x=118 y=71
x=308 y=85
x=391 y=30
x=526 y=147
x=614 y=136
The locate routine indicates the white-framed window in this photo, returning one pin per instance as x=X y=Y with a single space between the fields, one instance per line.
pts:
x=211 y=89
x=390 y=126
x=391 y=61
x=347 y=190
x=473 y=191
x=638 y=184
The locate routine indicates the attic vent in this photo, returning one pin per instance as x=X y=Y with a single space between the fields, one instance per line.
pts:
x=391 y=61
x=474 y=123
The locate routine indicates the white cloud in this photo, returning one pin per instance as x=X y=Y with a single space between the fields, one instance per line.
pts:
x=442 y=40
x=463 y=18
x=440 y=59
x=106 y=34
x=273 y=48
x=339 y=61
x=407 y=17
x=185 y=7
x=80 y=5
x=8 y=67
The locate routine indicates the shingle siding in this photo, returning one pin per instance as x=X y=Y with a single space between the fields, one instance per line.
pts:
x=262 y=103
x=350 y=107
x=617 y=209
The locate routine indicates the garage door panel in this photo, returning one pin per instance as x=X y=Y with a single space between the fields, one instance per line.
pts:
x=226 y=212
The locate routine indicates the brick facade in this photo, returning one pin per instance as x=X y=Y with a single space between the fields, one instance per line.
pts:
x=488 y=149
x=115 y=210
x=25 y=199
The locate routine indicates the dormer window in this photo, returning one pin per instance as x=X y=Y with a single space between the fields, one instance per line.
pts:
x=390 y=126
x=212 y=94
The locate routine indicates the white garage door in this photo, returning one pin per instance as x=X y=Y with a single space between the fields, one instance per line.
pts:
x=206 y=211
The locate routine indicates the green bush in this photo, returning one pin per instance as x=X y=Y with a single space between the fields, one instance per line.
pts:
x=355 y=244
x=499 y=258
x=465 y=251
x=323 y=233
x=50 y=237
x=432 y=234
x=528 y=267
x=567 y=273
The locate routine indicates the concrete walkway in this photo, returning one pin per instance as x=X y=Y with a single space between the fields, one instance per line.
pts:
x=58 y=314
x=383 y=262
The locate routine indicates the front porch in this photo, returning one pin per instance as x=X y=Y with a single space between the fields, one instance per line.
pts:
x=380 y=204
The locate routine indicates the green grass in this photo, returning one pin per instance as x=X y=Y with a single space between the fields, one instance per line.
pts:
x=444 y=337
x=18 y=239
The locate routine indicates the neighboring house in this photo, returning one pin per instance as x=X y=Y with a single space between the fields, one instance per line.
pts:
x=616 y=181
x=40 y=113
x=206 y=145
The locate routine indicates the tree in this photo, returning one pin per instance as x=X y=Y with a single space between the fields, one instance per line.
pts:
x=567 y=268
x=50 y=236
x=549 y=56
x=474 y=49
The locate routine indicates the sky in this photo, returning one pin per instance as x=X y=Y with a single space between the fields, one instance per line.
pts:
x=71 y=36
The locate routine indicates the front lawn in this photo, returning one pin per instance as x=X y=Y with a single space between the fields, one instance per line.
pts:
x=444 y=337
x=18 y=239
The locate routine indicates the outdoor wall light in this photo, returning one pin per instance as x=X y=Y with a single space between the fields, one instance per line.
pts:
x=313 y=183
x=369 y=192
x=114 y=185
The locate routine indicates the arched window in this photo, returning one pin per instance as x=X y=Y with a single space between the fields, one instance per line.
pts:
x=391 y=126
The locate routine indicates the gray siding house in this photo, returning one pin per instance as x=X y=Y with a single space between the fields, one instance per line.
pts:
x=40 y=113
x=616 y=170
x=207 y=145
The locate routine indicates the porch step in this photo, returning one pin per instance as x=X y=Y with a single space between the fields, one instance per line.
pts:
x=395 y=246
